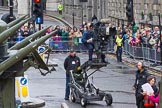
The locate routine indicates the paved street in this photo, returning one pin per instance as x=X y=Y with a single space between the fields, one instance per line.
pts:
x=116 y=79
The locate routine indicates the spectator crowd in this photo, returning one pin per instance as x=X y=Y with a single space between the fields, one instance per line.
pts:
x=143 y=36
x=66 y=38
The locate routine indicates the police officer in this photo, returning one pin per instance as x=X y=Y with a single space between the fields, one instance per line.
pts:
x=71 y=63
x=60 y=8
x=141 y=78
x=119 y=43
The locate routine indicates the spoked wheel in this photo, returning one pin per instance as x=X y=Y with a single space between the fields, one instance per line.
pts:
x=72 y=96
x=108 y=99
x=83 y=102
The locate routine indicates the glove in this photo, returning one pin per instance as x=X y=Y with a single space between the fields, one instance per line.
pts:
x=78 y=68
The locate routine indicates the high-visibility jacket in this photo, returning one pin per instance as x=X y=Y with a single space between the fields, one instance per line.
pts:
x=60 y=7
x=119 y=41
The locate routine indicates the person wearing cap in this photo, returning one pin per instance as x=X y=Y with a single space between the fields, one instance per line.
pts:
x=119 y=43
x=71 y=63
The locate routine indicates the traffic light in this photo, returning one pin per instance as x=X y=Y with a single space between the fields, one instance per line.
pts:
x=38 y=11
x=129 y=12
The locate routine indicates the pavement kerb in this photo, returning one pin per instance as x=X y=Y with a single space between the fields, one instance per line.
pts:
x=66 y=18
x=64 y=105
x=62 y=20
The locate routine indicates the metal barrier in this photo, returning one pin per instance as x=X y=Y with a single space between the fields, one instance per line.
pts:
x=66 y=45
x=145 y=53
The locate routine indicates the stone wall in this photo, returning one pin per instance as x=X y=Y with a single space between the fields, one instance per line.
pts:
x=115 y=10
x=51 y=5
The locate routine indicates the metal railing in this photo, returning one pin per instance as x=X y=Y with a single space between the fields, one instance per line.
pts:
x=142 y=52
x=67 y=45
x=145 y=53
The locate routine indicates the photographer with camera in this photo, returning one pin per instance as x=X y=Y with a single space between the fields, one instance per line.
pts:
x=89 y=39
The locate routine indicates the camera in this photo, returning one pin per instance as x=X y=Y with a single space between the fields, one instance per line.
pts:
x=101 y=37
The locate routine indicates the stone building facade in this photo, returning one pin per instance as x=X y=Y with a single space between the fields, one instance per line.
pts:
x=51 y=5
x=115 y=10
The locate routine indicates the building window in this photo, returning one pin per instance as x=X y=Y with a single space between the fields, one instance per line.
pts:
x=156 y=2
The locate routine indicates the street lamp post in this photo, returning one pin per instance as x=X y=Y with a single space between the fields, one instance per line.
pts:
x=11 y=11
x=82 y=13
x=73 y=12
x=122 y=24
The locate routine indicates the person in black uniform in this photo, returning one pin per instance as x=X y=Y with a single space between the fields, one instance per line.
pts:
x=71 y=63
x=141 y=78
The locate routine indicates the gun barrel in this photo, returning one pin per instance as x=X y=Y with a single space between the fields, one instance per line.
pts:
x=22 y=53
x=9 y=32
x=28 y=39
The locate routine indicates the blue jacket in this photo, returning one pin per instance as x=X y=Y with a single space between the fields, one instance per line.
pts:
x=87 y=35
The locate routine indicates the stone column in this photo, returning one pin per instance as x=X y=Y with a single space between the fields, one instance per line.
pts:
x=63 y=3
x=0 y=2
x=94 y=7
x=106 y=9
x=23 y=7
x=89 y=10
x=103 y=8
x=51 y=5
x=109 y=10
x=99 y=9
x=71 y=3
x=66 y=6
x=78 y=8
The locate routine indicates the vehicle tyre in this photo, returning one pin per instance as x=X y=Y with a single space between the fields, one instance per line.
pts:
x=108 y=99
x=83 y=102
x=72 y=97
